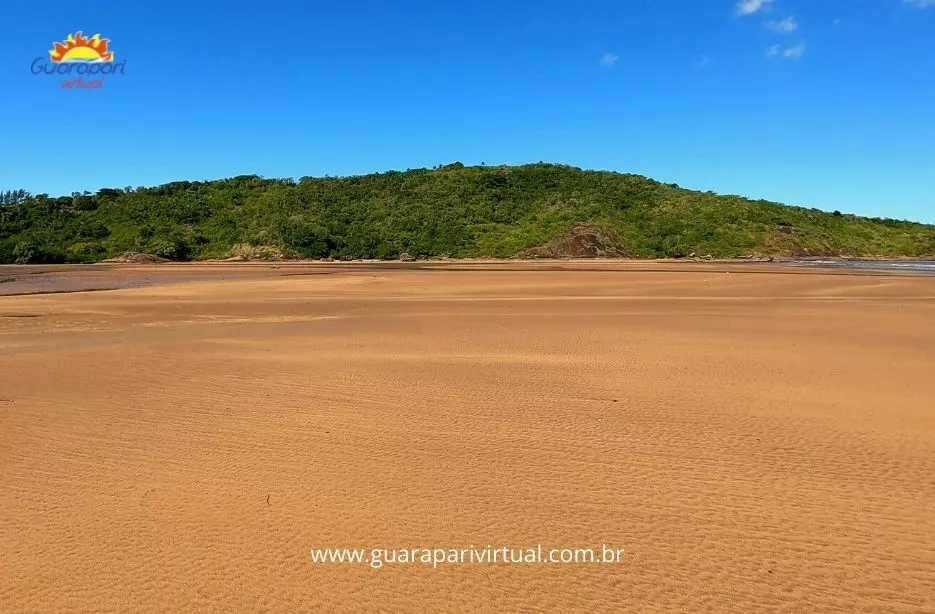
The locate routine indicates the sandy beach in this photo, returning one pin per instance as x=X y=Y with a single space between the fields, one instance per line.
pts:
x=754 y=439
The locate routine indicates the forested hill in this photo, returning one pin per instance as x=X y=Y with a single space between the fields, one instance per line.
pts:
x=452 y=210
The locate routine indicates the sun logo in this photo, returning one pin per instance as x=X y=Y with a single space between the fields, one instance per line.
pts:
x=79 y=48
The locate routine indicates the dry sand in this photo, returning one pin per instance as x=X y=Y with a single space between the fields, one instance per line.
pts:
x=755 y=441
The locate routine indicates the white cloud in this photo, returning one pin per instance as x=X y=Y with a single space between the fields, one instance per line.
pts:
x=789 y=53
x=920 y=3
x=789 y=24
x=609 y=59
x=794 y=53
x=749 y=7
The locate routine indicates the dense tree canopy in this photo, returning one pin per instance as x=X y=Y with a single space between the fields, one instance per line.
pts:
x=452 y=210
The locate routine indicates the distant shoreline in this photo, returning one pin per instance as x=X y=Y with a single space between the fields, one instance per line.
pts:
x=19 y=279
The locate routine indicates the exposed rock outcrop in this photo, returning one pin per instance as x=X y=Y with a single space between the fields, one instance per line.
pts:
x=582 y=241
x=137 y=258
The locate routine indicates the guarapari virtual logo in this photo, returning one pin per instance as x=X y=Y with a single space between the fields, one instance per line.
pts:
x=83 y=61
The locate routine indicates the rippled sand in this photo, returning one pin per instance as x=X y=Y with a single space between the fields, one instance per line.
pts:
x=755 y=441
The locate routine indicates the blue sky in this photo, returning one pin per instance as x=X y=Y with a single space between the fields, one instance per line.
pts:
x=826 y=104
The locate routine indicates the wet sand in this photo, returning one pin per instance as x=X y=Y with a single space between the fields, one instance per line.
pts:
x=50 y=279
x=756 y=440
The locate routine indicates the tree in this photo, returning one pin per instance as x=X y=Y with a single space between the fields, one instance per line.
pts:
x=14 y=197
x=458 y=210
x=24 y=253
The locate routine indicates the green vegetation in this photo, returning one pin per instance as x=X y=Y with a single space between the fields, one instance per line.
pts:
x=452 y=210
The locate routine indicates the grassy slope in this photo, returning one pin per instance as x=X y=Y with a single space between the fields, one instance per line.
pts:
x=455 y=210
